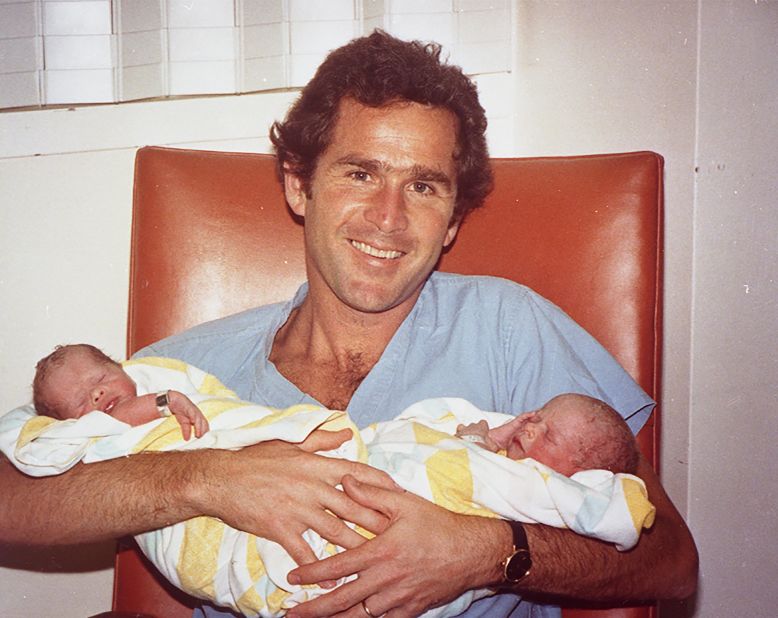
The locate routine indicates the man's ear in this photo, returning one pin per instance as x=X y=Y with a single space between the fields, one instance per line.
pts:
x=451 y=232
x=294 y=192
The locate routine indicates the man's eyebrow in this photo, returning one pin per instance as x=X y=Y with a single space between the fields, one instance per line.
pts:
x=420 y=172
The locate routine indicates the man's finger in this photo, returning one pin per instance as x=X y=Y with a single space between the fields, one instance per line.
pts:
x=341 y=599
x=322 y=440
x=370 y=476
x=296 y=546
x=347 y=509
x=370 y=496
x=335 y=531
x=334 y=567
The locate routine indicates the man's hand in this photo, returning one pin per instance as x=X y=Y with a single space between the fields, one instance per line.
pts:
x=425 y=557
x=278 y=490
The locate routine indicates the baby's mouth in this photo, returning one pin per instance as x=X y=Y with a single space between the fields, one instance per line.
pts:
x=110 y=406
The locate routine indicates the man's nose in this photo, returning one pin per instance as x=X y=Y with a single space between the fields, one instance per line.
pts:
x=388 y=209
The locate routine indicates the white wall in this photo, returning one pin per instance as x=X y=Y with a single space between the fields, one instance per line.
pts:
x=65 y=209
x=733 y=490
x=695 y=81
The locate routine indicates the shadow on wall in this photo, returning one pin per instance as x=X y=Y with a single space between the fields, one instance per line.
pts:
x=678 y=609
x=66 y=559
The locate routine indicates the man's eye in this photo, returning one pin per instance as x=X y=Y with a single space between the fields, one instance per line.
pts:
x=421 y=187
x=360 y=176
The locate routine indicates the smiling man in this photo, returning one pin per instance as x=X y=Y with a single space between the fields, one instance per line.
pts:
x=383 y=155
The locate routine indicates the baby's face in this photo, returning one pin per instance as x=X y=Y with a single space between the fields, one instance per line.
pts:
x=83 y=384
x=547 y=435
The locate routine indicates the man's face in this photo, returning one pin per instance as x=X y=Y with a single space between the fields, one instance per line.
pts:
x=83 y=384
x=381 y=204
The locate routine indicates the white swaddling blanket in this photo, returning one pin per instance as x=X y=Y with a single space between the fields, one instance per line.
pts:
x=207 y=559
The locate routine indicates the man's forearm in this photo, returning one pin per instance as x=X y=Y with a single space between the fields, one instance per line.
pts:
x=663 y=565
x=97 y=501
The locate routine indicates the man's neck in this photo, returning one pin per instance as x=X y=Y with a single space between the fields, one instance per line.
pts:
x=327 y=349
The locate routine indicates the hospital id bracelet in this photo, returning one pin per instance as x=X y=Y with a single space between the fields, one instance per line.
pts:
x=163 y=403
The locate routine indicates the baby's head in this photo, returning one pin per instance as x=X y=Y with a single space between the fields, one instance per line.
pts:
x=574 y=432
x=76 y=379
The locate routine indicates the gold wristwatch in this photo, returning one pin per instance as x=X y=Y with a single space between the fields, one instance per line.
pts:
x=519 y=563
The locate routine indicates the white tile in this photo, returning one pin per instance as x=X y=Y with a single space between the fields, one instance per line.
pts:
x=500 y=137
x=142 y=82
x=19 y=89
x=373 y=8
x=397 y=7
x=262 y=11
x=264 y=40
x=368 y=25
x=187 y=44
x=496 y=93
x=18 y=20
x=321 y=10
x=199 y=14
x=139 y=15
x=264 y=73
x=77 y=17
x=484 y=26
x=302 y=67
x=477 y=58
x=19 y=55
x=202 y=77
x=438 y=27
x=78 y=52
x=481 y=5
x=79 y=86
x=139 y=48
x=310 y=37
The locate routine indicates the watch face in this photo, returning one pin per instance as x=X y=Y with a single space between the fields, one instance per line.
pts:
x=518 y=566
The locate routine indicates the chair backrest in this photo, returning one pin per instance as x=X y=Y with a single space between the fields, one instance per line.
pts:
x=212 y=235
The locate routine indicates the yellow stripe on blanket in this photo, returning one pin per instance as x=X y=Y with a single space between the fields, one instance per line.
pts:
x=211 y=385
x=199 y=556
x=252 y=602
x=160 y=361
x=426 y=435
x=32 y=429
x=641 y=510
x=451 y=482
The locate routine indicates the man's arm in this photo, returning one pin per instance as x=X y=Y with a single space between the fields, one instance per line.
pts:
x=93 y=502
x=427 y=557
x=663 y=565
x=130 y=495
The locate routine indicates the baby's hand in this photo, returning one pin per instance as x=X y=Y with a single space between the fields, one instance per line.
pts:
x=478 y=433
x=187 y=414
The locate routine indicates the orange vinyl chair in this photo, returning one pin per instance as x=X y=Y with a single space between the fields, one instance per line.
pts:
x=212 y=235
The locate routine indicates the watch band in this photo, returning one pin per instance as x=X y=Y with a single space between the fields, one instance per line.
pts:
x=162 y=402
x=518 y=565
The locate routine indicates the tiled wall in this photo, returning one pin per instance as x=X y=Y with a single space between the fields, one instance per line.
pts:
x=81 y=51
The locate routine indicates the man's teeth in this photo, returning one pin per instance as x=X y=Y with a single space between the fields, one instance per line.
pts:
x=384 y=254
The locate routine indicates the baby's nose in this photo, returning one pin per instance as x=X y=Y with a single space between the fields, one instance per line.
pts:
x=97 y=394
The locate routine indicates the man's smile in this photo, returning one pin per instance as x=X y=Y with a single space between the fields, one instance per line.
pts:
x=384 y=254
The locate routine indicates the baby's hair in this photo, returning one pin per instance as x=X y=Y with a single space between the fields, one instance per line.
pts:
x=608 y=443
x=56 y=359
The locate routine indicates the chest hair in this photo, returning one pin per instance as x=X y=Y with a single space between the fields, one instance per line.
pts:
x=333 y=384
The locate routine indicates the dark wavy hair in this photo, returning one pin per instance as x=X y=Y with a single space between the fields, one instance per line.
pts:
x=377 y=70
